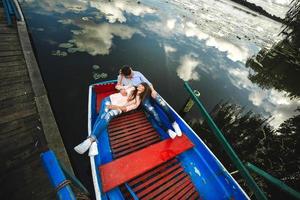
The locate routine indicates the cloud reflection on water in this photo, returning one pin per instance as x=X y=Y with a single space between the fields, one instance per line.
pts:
x=187 y=68
x=97 y=39
x=115 y=10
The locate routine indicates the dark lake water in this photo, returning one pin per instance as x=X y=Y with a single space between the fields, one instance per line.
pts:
x=81 y=42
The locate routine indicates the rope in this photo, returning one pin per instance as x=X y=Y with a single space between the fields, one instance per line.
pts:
x=62 y=184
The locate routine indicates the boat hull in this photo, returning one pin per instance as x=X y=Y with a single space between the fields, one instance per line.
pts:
x=208 y=175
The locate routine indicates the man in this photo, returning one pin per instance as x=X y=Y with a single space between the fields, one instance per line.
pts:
x=129 y=77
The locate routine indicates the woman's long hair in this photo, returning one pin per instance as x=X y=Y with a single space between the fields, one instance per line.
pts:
x=142 y=95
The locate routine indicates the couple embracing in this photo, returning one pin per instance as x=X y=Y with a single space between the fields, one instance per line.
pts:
x=134 y=89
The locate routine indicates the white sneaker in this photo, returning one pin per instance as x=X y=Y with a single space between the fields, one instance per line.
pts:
x=177 y=129
x=83 y=146
x=171 y=133
x=93 y=149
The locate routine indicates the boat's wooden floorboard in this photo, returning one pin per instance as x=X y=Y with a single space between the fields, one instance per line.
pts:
x=21 y=173
x=166 y=181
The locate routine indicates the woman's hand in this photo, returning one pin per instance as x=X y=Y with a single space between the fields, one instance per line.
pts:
x=154 y=94
x=114 y=107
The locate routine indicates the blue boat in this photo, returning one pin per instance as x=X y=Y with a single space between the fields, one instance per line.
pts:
x=138 y=160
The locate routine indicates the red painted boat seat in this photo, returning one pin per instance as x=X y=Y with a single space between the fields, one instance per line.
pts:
x=134 y=164
x=103 y=91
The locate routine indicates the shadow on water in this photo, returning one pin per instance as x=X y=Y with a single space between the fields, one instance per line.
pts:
x=82 y=42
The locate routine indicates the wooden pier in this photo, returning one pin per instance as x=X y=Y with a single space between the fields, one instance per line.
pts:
x=27 y=124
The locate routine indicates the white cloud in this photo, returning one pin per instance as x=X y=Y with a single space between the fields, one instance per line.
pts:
x=276 y=104
x=187 y=68
x=115 y=10
x=233 y=51
x=171 y=23
x=97 y=39
x=191 y=30
x=169 y=49
x=48 y=7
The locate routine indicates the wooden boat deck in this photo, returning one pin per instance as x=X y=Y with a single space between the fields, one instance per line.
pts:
x=166 y=181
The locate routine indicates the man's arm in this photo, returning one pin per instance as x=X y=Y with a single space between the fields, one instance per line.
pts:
x=119 y=85
x=144 y=79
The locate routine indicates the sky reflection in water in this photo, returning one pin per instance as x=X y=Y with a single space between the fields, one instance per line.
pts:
x=198 y=39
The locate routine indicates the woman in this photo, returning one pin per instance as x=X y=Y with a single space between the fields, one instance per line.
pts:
x=115 y=104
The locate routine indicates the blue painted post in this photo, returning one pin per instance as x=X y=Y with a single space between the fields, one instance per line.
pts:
x=56 y=176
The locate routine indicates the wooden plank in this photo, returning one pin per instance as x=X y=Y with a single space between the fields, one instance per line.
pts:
x=116 y=133
x=152 y=172
x=14 y=74
x=12 y=63
x=175 y=189
x=185 y=190
x=122 y=122
x=130 y=133
x=13 y=43
x=136 y=148
x=14 y=68
x=11 y=47
x=9 y=38
x=133 y=140
x=123 y=169
x=11 y=58
x=166 y=184
x=131 y=145
x=18 y=124
x=188 y=194
x=127 y=125
x=16 y=90
x=10 y=53
x=14 y=80
x=175 y=169
x=127 y=117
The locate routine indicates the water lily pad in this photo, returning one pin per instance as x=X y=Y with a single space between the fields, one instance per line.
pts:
x=59 y=53
x=95 y=67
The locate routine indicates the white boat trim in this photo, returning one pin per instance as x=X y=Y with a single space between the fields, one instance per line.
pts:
x=92 y=159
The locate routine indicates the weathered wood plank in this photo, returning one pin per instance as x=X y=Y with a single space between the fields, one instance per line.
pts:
x=9 y=47
x=15 y=90
x=11 y=58
x=12 y=63
x=19 y=128
x=10 y=53
x=17 y=123
x=9 y=38
x=12 y=43
x=13 y=68
x=17 y=101
x=14 y=74
x=18 y=113
x=9 y=81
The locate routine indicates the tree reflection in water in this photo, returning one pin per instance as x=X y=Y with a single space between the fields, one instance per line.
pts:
x=274 y=150
x=279 y=66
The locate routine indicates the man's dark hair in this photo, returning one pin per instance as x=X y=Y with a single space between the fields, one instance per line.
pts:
x=126 y=70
